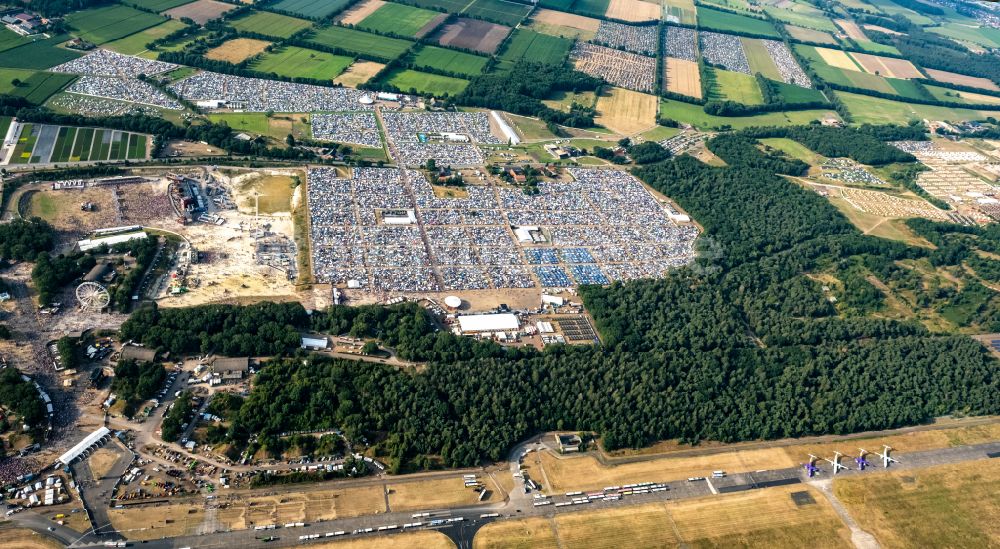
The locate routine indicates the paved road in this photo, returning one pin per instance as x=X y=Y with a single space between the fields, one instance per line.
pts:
x=522 y=505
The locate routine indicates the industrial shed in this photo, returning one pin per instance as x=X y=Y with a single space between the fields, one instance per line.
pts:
x=475 y=324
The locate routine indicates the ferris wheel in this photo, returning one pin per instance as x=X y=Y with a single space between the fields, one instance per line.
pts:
x=92 y=296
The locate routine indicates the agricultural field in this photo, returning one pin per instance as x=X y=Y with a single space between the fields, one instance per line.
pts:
x=810 y=35
x=727 y=22
x=498 y=11
x=423 y=82
x=296 y=62
x=948 y=94
x=44 y=143
x=237 y=50
x=361 y=43
x=451 y=6
x=313 y=9
x=891 y=8
x=41 y=54
x=399 y=19
x=101 y=25
x=565 y=25
x=874 y=110
x=889 y=67
x=596 y=8
x=682 y=76
x=770 y=517
x=35 y=87
x=556 y=4
x=962 y=80
x=947 y=505
x=358 y=73
x=359 y=11
x=804 y=16
x=270 y=24
x=851 y=29
x=693 y=114
x=158 y=5
x=563 y=101
x=988 y=37
x=451 y=61
x=534 y=47
x=257 y=123
x=634 y=11
x=791 y=93
x=626 y=112
x=10 y=39
x=875 y=47
x=136 y=43
x=760 y=60
x=683 y=10
x=472 y=34
x=200 y=11
x=733 y=86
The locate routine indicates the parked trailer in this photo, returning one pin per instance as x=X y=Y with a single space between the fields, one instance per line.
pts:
x=540 y=503
x=420 y=515
x=564 y=504
x=489 y=515
x=571 y=494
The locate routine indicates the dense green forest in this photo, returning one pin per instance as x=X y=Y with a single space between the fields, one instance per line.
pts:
x=23 y=239
x=136 y=382
x=746 y=347
x=21 y=397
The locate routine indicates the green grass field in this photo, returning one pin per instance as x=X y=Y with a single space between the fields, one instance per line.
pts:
x=64 y=144
x=452 y=61
x=560 y=5
x=797 y=94
x=25 y=144
x=313 y=9
x=891 y=8
x=40 y=54
x=737 y=24
x=760 y=60
x=40 y=86
x=10 y=39
x=811 y=18
x=875 y=47
x=984 y=36
x=533 y=46
x=733 y=86
x=81 y=149
x=102 y=25
x=362 y=43
x=136 y=44
x=498 y=11
x=270 y=24
x=158 y=5
x=874 y=110
x=422 y=82
x=294 y=62
x=277 y=126
x=591 y=7
x=696 y=116
x=795 y=149
x=451 y=6
x=397 y=19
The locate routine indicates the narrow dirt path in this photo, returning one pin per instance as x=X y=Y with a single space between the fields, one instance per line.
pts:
x=860 y=538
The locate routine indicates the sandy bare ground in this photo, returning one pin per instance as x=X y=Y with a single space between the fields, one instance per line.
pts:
x=358 y=73
x=236 y=50
x=682 y=77
x=633 y=10
x=358 y=13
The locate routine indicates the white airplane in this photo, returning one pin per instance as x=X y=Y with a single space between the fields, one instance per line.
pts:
x=836 y=462
x=886 y=460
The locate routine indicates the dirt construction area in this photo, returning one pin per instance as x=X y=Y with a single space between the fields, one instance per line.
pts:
x=682 y=77
x=635 y=11
x=473 y=34
x=236 y=50
x=772 y=517
x=200 y=12
x=626 y=112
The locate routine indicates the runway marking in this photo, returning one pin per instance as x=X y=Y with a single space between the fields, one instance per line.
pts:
x=711 y=487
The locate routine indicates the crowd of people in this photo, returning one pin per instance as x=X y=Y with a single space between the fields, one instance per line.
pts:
x=447 y=137
x=628 y=70
x=791 y=72
x=679 y=42
x=592 y=225
x=353 y=128
x=109 y=63
x=724 y=50
x=123 y=89
x=258 y=95
x=634 y=38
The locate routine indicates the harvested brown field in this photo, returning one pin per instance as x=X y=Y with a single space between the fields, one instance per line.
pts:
x=682 y=77
x=358 y=73
x=201 y=11
x=636 y=11
x=22 y=538
x=626 y=112
x=877 y=28
x=567 y=25
x=431 y=25
x=359 y=11
x=473 y=34
x=962 y=80
x=237 y=49
x=586 y=473
x=838 y=58
x=810 y=35
x=851 y=29
x=435 y=494
x=886 y=66
x=427 y=539
x=952 y=505
x=761 y=518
